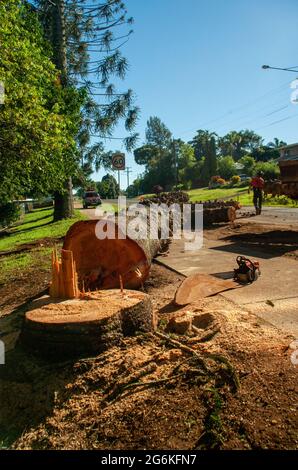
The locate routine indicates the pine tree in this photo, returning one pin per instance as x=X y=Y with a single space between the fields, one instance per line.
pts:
x=210 y=161
x=86 y=51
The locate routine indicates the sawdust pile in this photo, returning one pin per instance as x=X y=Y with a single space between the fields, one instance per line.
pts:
x=232 y=389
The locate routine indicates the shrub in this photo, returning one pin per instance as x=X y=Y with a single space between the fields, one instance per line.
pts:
x=235 y=179
x=270 y=170
x=221 y=181
x=215 y=178
x=9 y=213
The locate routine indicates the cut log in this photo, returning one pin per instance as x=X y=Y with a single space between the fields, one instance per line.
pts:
x=219 y=214
x=101 y=262
x=77 y=327
x=198 y=286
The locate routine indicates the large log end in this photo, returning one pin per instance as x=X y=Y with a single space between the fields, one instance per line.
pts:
x=101 y=262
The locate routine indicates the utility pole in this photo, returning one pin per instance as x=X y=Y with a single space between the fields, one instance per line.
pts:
x=128 y=170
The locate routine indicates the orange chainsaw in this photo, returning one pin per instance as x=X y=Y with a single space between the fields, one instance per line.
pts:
x=248 y=271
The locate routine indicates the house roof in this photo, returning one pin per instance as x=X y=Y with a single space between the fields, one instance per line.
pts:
x=288 y=146
x=289 y=156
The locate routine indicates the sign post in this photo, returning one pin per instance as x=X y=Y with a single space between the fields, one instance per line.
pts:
x=118 y=163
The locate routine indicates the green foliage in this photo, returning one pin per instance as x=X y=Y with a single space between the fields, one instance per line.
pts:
x=200 y=143
x=248 y=163
x=264 y=153
x=9 y=213
x=226 y=167
x=135 y=189
x=159 y=155
x=36 y=225
x=146 y=155
x=239 y=143
x=235 y=179
x=108 y=187
x=157 y=134
x=36 y=119
x=92 y=48
x=270 y=170
x=210 y=161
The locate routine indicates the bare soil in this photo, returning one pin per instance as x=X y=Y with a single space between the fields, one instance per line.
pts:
x=236 y=390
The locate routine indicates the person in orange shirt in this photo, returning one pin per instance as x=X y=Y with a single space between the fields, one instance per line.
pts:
x=257 y=184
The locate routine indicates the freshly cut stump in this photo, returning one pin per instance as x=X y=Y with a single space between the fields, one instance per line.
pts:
x=201 y=285
x=80 y=327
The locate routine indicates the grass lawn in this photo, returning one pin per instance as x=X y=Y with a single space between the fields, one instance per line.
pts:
x=36 y=225
x=13 y=266
x=238 y=194
x=205 y=194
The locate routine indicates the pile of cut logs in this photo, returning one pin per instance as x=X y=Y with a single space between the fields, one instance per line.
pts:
x=213 y=211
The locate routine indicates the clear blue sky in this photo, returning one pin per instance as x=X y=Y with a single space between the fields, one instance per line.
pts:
x=197 y=64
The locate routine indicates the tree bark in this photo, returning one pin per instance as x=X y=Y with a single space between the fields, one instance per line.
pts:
x=63 y=201
x=74 y=328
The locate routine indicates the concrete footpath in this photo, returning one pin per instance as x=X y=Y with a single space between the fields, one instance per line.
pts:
x=273 y=297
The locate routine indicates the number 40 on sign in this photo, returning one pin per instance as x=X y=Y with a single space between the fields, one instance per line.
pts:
x=118 y=161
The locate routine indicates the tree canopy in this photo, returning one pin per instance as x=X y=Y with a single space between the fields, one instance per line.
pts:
x=37 y=119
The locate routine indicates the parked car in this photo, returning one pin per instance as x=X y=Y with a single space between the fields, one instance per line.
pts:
x=91 y=198
x=245 y=178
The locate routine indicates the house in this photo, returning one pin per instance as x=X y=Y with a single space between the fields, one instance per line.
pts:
x=288 y=163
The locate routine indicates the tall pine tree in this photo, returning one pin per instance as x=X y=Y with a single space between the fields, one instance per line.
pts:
x=86 y=37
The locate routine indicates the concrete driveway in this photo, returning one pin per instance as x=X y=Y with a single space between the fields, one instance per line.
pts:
x=273 y=297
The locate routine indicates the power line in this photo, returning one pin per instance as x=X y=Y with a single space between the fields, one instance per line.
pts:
x=277 y=122
x=278 y=89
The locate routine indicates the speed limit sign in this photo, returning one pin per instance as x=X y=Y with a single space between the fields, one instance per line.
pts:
x=118 y=161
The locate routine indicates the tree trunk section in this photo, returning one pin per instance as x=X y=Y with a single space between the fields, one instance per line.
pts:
x=101 y=262
x=63 y=207
x=74 y=328
x=199 y=286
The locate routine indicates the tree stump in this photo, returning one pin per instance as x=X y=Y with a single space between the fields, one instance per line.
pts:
x=80 y=327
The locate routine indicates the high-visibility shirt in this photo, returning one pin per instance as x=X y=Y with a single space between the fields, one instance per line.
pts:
x=257 y=182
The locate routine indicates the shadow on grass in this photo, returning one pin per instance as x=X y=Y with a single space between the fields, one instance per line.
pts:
x=32 y=228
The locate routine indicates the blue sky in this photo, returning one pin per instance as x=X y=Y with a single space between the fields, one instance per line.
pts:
x=197 y=64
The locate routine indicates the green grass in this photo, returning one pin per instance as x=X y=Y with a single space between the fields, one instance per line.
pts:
x=205 y=194
x=37 y=225
x=13 y=266
x=238 y=194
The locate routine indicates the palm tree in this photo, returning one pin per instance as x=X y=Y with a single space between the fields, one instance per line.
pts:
x=276 y=143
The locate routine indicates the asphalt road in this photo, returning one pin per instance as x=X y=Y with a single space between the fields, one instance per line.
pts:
x=272 y=215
